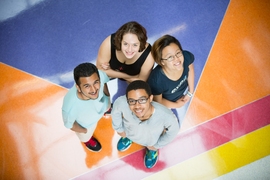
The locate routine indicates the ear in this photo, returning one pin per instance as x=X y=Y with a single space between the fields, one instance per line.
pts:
x=78 y=88
x=151 y=98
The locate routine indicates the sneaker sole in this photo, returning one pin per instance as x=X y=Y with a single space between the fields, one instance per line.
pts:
x=93 y=150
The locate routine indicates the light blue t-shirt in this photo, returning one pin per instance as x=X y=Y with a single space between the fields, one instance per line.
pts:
x=85 y=112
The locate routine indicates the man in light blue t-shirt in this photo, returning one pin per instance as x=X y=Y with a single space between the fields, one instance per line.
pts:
x=85 y=103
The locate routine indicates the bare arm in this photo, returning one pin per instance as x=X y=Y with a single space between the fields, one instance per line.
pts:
x=104 y=54
x=167 y=103
x=78 y=128
x=106 y=90
x=191 y=77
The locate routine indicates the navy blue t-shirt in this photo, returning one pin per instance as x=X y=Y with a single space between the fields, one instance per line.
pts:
x=170 y=90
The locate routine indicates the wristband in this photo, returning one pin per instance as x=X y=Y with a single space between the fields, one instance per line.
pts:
x=189 y=94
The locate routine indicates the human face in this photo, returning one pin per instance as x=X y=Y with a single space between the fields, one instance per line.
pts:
x=89 y=87
x=173 y=53
x=143 y=110
x=130 y=45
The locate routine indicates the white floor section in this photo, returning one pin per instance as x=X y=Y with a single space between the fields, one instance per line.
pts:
x=258 y=170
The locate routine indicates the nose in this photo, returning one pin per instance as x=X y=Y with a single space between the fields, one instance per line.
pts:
x=129 y=48
x=176 y=58
x=93 y=89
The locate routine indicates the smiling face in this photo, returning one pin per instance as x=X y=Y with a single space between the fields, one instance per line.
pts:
x=130 y=45
x=144 y=110
x=172 y=51
x=89 y=87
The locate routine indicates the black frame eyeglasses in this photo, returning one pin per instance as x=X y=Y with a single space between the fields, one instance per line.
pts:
x=172 y=58
x=140 y=101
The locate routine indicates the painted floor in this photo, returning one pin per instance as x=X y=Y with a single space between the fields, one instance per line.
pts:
x=225 y=129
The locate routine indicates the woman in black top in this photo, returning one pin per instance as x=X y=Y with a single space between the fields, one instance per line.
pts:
x=126 y=53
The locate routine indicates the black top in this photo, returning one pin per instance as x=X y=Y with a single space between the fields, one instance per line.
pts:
x=130 y=69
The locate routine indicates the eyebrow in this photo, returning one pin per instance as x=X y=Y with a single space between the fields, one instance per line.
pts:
x=131 y=43
x=139 y=97
x=87 y=84
x=171 y=54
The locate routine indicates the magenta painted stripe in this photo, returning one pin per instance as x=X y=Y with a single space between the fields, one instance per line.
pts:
x=190 y=143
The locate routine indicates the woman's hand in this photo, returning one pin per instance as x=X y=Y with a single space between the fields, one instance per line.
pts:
x=105 y=66
x=182 y=101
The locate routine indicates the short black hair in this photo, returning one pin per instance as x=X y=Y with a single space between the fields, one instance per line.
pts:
x=84 y=70
x=139 y=84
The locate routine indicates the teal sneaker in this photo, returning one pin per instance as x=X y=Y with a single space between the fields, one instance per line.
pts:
x=150 y=158
x=123 y=144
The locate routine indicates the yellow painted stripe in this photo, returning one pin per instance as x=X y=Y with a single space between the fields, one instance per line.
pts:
x=221 y=160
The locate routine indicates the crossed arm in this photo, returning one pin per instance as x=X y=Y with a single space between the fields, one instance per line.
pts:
x=104 y=56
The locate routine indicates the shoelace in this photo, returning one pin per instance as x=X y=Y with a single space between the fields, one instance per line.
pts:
x=125 y=141
x=92 y=142
x=151 y=154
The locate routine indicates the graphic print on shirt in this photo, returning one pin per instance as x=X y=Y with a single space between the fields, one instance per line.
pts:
x=179 y=85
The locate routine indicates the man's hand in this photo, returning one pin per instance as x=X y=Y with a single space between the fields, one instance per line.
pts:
x=122 y=134
x=105 y=66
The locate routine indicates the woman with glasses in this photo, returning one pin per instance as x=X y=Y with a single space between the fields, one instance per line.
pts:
x=172 y=80
x=126 y=54
x=138 y=119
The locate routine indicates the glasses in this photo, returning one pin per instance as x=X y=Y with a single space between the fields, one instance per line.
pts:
x=140 y=101
x=171 y=58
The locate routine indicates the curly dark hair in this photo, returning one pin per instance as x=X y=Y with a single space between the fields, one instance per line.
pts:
x=134 y=28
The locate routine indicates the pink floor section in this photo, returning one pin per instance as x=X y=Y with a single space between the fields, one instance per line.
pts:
x=190 y=143
x=231 y=102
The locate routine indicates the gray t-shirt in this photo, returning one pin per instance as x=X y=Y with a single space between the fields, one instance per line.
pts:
x=147 y=132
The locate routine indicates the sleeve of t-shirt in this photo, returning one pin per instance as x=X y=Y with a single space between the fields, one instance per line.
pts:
x=68 y=119
x=155 y=82
x=103 y=76
x=189 y=57
x=172 y=128
x=117 y=118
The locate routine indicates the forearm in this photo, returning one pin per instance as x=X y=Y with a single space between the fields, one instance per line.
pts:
x=116 y=74
x=117 y=119
x=106 y=90
x=168 y=135
x=117 y=124
x=143 y=76
x=191 y=77
x=171 y=104
x=78 y=128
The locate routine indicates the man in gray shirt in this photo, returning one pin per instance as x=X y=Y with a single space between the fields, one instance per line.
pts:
x=137 y=118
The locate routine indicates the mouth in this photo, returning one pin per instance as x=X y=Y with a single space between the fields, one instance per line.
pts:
x=178 y=64
x=129 y=53
x=138 y=112
x=93 y=93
